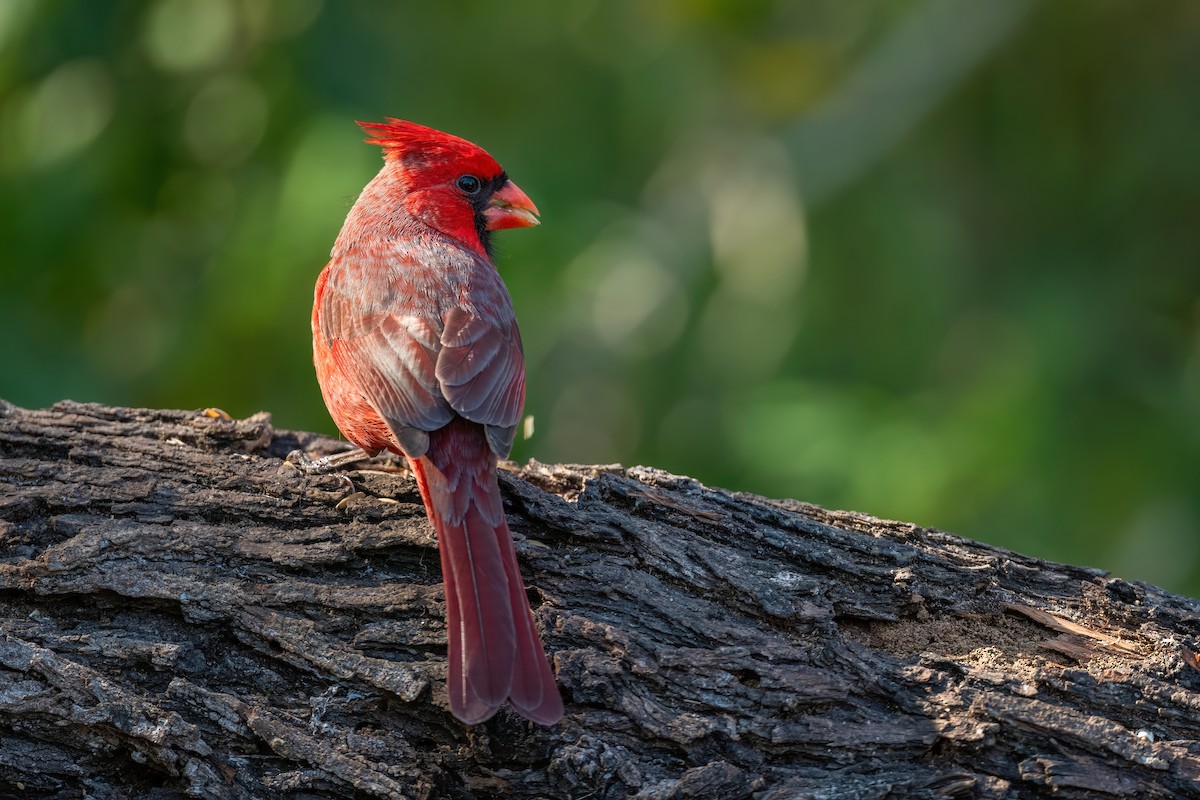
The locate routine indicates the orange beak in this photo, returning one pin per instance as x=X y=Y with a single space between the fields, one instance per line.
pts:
x=510 y=208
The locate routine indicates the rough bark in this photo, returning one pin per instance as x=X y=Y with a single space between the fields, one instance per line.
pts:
x=182 y=614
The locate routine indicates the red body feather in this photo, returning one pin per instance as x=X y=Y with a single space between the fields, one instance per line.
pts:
x=417 y=351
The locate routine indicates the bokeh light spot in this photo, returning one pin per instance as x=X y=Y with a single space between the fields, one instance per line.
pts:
x=67 y=110
x=187 y=35
x=638 y=304
x=757 y=222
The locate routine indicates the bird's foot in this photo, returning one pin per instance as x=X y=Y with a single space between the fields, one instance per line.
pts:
x=323 y=466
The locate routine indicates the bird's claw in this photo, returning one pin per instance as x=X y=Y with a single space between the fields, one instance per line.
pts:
x=299 y=460
x=326 y=464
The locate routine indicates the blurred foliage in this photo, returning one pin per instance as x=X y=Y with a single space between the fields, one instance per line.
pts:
x=929 y=260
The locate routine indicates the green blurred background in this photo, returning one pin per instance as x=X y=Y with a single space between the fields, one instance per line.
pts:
x=935 y=260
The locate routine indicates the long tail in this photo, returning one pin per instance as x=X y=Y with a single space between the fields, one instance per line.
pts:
x=495 y=652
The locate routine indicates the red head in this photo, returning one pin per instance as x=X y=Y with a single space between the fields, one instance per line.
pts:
x=450 y=184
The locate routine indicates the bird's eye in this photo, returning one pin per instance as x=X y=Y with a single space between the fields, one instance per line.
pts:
x=469 y=184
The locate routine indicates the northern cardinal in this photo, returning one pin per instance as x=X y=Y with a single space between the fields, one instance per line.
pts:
x=417 y=351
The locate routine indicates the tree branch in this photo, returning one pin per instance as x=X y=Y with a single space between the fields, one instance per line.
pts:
x=185 y=615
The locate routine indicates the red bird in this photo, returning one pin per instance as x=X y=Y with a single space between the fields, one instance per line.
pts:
x=417 y=351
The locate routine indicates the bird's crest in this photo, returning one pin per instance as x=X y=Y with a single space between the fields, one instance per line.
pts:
x=410 y=141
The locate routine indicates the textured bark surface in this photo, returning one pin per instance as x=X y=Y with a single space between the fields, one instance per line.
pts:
x=182 y=614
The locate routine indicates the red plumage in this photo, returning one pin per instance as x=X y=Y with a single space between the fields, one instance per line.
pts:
x=417 y=351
